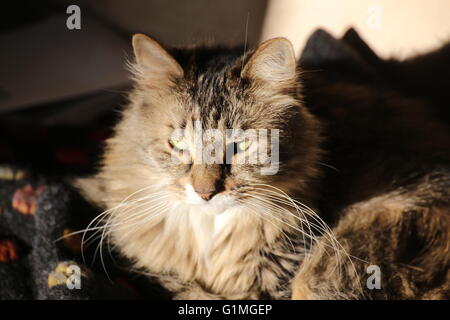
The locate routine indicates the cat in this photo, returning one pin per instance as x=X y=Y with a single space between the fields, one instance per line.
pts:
x=367 y=161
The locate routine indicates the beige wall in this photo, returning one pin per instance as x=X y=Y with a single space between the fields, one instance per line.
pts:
x=392 y=27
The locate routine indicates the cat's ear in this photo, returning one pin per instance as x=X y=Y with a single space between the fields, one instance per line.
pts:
x=154 y=64
x=273 y=61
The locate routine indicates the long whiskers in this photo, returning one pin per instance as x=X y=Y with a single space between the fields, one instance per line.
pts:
x=148 y=211
x=111 y=213
x=268 y=195
x=144 y=209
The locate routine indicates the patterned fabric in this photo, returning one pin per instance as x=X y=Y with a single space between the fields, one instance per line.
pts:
x=34 y=264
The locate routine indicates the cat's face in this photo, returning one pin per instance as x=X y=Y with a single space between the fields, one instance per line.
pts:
x=209 y=136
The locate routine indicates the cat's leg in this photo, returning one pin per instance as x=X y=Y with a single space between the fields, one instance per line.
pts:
x=194 y=290
x=181 y=290
x=395 y=246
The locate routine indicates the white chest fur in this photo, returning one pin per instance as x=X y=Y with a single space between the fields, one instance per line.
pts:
x=209 y=219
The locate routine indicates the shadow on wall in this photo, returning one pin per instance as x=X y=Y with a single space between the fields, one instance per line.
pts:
x=83 y=63
x=175 y=22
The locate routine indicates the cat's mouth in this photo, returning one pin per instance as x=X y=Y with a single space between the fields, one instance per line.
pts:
x=219 y=203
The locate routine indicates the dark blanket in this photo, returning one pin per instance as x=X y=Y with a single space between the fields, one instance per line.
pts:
x=38 y=260
x=37 y=209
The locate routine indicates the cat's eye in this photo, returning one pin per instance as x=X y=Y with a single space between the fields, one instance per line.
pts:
x=243 y=145
x=178 y=144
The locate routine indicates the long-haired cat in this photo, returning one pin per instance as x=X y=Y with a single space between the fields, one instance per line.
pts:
x=225 y=230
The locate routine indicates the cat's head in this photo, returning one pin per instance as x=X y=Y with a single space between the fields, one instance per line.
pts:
x=209 y=126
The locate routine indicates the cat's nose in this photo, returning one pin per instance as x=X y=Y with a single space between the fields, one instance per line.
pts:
x=206 y=195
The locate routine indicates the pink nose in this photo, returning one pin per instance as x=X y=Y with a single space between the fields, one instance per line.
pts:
x=206 y=195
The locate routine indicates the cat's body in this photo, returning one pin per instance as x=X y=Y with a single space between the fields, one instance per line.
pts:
x=205 y=231
x=387 y=192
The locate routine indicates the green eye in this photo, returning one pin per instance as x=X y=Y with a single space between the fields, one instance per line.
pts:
x=244 y=145
x=179 y=144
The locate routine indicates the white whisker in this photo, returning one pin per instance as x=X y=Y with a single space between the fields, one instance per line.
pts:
x=322 y=227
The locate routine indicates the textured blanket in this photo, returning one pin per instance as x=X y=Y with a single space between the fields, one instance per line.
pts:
x=38 y=260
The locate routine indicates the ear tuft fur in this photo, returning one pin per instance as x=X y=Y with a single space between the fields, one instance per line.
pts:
x=273 y=61
x=154 y=65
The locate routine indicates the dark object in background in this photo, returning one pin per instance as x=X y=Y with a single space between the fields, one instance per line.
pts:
x=45 y=62
x=422 y=77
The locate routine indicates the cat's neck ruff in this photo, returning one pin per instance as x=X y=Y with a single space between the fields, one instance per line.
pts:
x=208 y=220
x=190 y=225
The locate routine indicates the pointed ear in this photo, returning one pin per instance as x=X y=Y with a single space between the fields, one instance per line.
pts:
x=154 y=64
x=273 y=61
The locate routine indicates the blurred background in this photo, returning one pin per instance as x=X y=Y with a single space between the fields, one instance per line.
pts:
x=54 y=77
